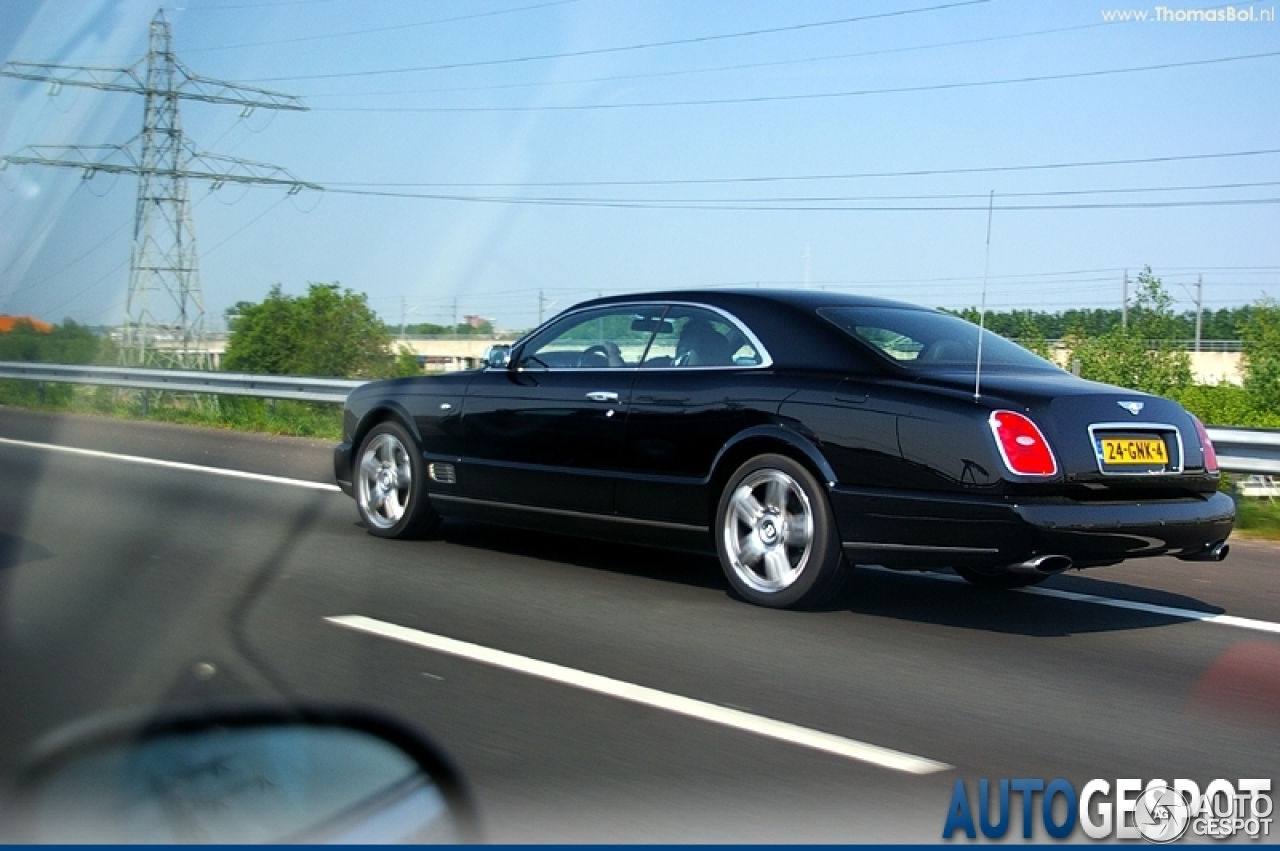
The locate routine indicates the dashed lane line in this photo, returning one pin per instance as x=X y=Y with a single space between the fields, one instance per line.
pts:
x=622 y=690
x=173 y=465
x=1113 y=602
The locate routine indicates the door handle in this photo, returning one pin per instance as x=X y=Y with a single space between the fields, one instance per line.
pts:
x=602 y=396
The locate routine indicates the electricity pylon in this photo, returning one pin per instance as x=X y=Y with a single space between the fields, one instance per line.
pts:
x=164 y=263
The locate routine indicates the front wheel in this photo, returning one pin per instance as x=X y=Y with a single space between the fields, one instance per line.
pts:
x=391 y=493
x=776 y=535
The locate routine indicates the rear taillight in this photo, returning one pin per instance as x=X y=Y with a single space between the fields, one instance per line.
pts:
x=1206 y=446
x=1022 y=445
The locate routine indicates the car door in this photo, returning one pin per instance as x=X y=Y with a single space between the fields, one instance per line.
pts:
x=547 y=430
x=705 y=379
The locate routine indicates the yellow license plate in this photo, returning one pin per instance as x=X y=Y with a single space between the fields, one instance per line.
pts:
x=1132 y=450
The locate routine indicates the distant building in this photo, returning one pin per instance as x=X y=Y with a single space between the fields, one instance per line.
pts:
x=7 y=324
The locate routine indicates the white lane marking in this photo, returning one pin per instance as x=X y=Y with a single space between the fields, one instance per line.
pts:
x=1152 y=608
x=734 y=718
x=173 y=465
x=1132 y=605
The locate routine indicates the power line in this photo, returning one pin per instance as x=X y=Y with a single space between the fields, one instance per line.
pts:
x=725 y=205
x=844 y=176
x=598 y=51
x=719 y=68
x=811 y=96
x=255 y=5
x=1057 y=193
x=373 y=30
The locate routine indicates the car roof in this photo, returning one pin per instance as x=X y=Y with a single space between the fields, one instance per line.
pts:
x=785 y=322
x=804 y=299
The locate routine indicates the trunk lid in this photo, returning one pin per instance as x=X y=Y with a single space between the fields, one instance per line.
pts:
x=1102 y=435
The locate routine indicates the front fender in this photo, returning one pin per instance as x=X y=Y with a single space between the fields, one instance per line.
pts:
x=385 y=409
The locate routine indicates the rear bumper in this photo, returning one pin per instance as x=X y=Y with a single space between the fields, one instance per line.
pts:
x=1127 y=531
x=903 y=529
x=342 y=467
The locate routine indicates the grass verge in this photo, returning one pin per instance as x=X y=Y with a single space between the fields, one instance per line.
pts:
x=1258 y=518
x=295 y=419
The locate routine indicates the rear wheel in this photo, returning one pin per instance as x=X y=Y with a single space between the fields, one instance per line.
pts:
x=999 y=581
x=391 y=493
x=776 y=535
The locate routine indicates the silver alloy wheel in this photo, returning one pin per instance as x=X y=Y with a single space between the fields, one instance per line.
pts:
x=768 y=530
x=385 y=481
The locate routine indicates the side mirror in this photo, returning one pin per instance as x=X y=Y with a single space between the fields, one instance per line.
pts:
x=239 y=776
x=498 y=357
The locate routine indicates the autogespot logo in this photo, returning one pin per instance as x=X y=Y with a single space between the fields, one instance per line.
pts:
x=1162 y=814
x=1158 y=811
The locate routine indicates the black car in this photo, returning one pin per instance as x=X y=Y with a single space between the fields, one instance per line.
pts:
x=794 y=433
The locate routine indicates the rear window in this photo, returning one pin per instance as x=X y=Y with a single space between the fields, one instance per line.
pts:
x=925 y=340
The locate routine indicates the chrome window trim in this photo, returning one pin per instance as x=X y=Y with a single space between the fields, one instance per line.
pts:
x=1132 y=426
x=766 y=360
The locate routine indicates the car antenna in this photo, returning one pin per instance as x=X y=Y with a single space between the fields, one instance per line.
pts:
x=982 y=311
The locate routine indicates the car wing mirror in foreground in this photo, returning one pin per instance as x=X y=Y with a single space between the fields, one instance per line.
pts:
x=238 y=776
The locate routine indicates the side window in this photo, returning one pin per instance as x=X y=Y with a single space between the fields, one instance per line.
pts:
x=610 y=337
x=896 y=345
x=692 y=337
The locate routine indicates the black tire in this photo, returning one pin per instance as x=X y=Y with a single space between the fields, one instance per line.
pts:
x=999 y=581
x=776 y=536
x=389 y=479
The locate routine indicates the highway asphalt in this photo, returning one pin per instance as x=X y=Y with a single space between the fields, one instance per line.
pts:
x=119 y=578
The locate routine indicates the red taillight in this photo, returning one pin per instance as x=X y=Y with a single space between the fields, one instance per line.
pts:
x=1022 y=445
x=1206 y=445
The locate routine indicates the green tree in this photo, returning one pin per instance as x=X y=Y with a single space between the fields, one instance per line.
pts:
x=1261 y=336
x=328 y=332
x=423 y=329
x=1143 y=356
x=66 y=343
x=406 y=362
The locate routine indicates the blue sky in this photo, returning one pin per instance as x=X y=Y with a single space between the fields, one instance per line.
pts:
x=600 y=146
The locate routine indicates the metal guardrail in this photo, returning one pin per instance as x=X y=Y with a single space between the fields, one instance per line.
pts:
x=186 y=381
x=1240 y=450
x=1247 y=450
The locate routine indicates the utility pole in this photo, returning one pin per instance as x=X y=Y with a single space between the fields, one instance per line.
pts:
x=541 y=303
x=164 y=263
x=1199 y=307
x=1124 y=301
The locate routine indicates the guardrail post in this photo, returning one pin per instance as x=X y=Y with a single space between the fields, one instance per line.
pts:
x=146 y=403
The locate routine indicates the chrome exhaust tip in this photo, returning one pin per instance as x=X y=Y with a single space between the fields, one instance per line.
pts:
x=1210 y=552
x=1041 y=565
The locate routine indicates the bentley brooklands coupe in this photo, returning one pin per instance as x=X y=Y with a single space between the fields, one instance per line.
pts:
x=793 y=433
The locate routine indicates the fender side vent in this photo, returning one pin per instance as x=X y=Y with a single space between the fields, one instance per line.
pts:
x=442 y=473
